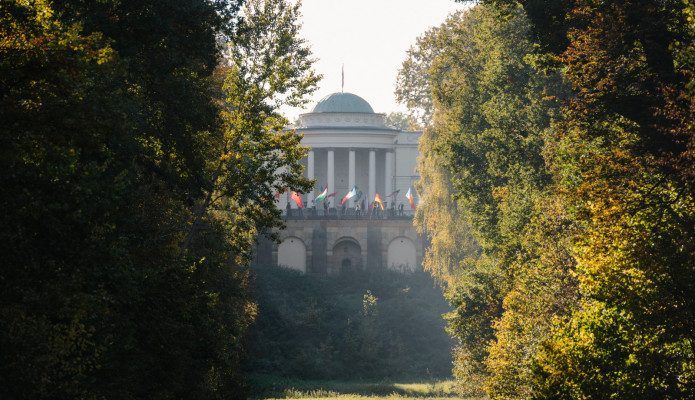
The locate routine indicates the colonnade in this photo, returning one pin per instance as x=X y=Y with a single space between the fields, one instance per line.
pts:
x=330 y=173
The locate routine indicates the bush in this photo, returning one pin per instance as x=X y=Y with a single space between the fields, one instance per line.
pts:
x=362 y=325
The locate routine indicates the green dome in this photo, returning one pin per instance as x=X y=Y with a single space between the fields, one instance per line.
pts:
x=343 y=103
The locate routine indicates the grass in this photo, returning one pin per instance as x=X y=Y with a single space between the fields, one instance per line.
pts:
x=267 y=388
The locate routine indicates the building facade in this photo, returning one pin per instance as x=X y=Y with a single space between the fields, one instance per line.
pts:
x=350 y=147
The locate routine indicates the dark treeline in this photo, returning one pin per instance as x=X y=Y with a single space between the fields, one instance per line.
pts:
x=138 y=152
x=363 y=325
x=557 y=180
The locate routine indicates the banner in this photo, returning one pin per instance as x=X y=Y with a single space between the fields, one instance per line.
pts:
x=377 y=198
x=297 y=199
x=352 y=193
x=322 y=196
x=411 y=198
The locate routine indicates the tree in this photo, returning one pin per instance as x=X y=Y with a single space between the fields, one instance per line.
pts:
x=621 y=153
x=112 y=130
x=401 y=121
x=413 y=80
x=267 y=65
x=497 y=235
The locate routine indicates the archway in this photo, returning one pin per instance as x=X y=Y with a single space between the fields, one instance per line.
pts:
x=347 y=256
x=402 y=255
x=292 y=254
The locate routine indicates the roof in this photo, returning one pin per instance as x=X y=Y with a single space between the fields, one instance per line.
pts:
x=343 y=103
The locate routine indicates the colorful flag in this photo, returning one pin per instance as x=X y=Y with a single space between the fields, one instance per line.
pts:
x=297 y=199
x=377 y=198
x=322 y=196
x=411 y=198
x=394 y=194
x=331 y=195
x=352 y=193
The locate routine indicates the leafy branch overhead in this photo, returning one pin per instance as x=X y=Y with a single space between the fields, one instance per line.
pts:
x=266 y=66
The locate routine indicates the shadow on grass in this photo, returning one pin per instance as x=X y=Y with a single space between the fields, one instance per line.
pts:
x=275 y=387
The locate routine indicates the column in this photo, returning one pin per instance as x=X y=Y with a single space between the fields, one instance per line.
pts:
x=372 y=176
x=330 y=173
x=351 y=175
x=310 y=175
x=388 y=175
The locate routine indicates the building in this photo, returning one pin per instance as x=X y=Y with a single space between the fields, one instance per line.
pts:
x=350 y=146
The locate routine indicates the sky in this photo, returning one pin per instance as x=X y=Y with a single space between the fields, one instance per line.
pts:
x=370 y=37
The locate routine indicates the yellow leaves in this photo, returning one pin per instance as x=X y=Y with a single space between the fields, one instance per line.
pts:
x=231 y=155
x=47 y=37
x=500 y=193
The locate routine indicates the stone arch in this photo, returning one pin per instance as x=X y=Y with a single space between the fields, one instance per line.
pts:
x=402 y=255
x=346 y=256
x=292 y=253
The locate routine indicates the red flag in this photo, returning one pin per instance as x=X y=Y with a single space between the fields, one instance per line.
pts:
x=411 y=198
x=297 y=199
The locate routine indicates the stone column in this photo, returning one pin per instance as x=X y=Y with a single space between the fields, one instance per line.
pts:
x=310 y=175
x=372 y=176
x=351 y=175
x=388 y=174
x=330 y=173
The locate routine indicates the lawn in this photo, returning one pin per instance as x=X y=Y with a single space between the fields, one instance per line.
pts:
x=267 y=389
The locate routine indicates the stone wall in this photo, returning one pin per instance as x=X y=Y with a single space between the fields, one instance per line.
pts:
x=365 y=243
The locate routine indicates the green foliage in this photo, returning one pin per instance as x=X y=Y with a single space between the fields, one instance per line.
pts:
x=604 y=352
x=110 y=287
x=486 y=193
x=582 y=202
x=624 y=160
x=358 y=326
x=401 y=121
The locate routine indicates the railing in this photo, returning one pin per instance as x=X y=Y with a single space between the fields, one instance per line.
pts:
x=347 y=214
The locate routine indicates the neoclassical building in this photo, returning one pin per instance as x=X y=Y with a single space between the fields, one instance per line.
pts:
x=350 y=146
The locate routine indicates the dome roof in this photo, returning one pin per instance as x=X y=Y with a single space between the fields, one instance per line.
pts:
x=343 y=103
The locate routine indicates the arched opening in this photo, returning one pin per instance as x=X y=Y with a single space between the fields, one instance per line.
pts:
x=346 y=265
x=402 y=255
x=347 y=256
x=292 y=254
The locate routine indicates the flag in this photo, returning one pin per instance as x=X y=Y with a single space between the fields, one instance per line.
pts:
x=322 y=196
x=297 y=199
x=394 y=194
x=411 y=198
x=331 y=195
x=377 y=198
x=352 y=193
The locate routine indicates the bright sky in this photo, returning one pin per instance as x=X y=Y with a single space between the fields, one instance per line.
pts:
x=371 y=38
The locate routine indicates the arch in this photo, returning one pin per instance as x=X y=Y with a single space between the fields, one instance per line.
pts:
x=346 y=257
x=401 y=254
x=292 y=253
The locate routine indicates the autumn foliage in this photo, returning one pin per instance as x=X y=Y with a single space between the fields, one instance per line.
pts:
x=557 y=181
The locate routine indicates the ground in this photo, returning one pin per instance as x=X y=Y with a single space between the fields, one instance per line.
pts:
x=326 y=390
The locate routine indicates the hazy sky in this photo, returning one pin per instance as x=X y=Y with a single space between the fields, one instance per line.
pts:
x=371 y=38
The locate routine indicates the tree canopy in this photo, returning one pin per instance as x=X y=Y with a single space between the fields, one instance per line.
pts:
x=132 y=191
x=558 y=194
